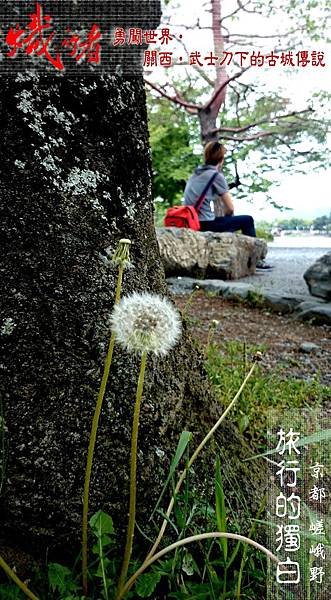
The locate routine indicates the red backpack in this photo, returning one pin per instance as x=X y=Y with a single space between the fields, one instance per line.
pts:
x=187 y=216
x=182 y=216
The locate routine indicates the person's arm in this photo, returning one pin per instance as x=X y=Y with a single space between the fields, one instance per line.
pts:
x=228 y=203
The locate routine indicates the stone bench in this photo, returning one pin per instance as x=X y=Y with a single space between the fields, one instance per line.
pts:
x=207 y=254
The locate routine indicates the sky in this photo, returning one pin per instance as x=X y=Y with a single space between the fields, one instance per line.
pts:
x=307 y=195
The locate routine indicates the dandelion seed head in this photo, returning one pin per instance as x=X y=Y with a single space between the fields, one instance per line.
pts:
x=144 y=322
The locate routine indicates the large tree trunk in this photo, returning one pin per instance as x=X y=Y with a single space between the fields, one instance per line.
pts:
x=75 y=178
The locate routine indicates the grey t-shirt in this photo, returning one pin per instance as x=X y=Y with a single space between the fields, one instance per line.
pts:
x=196 y=185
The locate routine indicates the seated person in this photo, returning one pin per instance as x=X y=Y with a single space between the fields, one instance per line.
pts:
x=218 y=194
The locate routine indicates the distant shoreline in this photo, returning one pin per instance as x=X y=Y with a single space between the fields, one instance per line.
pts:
x=301 y=240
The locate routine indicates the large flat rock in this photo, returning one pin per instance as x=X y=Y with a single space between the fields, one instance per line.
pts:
x=208 y=254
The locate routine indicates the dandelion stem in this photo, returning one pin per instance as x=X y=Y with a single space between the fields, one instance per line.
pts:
x=189 y=540
x=17 y=580
x=133 y=471
x=93 y=436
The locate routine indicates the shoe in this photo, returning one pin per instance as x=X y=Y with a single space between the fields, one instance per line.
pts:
x=263 y=265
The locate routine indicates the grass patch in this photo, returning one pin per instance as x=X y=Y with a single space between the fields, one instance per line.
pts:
x=267 y=395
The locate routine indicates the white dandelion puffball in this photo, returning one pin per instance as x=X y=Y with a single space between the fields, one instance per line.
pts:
x=145 y=322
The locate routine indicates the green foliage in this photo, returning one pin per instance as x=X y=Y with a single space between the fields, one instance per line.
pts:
x=103 y=529
x=160 y=207
x=181 y=448
x=322 y=223
x=65 y=584
x=263 y=233
x=147 y=583
x=61 y=580
x=205 y=572
x=102 y=526
x=172 y=138
x=220 y=507
x=255 y=298
x=316 y=438
x=10 y=592
x=295 y=141
x=294 y=224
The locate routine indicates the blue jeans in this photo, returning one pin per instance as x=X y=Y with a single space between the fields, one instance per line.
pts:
x=245 y=223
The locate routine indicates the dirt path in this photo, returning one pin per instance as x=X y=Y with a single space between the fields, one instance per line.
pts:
x=280 y=337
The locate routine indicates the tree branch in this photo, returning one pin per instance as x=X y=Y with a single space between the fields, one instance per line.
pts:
x=296 y=152
x=235 y=91
x=181 y=25
x=319 y=121
x=261 y=122
x=243 y=7
x=247 y=86
x=249 y=138
x=200 y=72
x=240 y=7
x=291 y=128
x=222 y=86
x=240 y=98
x=192 y=108
x=255 y=35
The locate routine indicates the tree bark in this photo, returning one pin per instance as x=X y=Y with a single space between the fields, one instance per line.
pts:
x=75 y=177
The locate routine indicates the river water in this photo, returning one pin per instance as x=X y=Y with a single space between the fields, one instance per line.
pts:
x=290 y=256
x=301 y=241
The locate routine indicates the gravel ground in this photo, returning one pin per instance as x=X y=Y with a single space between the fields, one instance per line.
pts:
x=289 y=265
x=280 y=336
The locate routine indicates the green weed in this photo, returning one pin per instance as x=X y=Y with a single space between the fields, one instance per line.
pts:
x=268 y=393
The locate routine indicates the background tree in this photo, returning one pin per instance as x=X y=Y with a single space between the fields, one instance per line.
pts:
x=250 y=117
x=322 y=223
